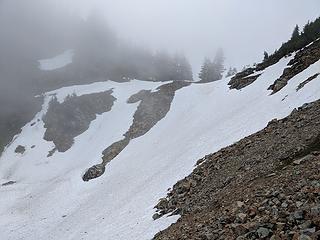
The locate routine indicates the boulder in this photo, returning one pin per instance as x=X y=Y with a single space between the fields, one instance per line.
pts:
x=20 y=149
x=94 y=172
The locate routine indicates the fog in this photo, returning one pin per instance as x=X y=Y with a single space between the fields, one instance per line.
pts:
x=125 y=36
x=244 y=29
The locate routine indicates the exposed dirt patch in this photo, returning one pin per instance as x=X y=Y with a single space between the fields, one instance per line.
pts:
x=266 y=186
x=64 y=121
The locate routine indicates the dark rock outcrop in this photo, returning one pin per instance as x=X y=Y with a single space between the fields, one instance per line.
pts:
x=266 y=186
x=238 y=82
x=301 y=85
x=8 y=183
x=20 y=149
x=302 y=60
x=64 y=121
x=94 y=172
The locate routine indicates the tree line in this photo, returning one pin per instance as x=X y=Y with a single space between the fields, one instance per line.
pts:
x=103 y=55
x=299 y=39
x=212 y=70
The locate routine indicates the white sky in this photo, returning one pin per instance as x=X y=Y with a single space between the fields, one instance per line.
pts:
x=244 y=28
x=198 y=27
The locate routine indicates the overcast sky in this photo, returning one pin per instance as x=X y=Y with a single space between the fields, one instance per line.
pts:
x=243 y=28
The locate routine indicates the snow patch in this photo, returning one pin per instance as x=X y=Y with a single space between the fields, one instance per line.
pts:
x=57 y=62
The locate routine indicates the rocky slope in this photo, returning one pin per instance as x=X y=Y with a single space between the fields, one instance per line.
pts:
x=267 y=186
x=301 y=61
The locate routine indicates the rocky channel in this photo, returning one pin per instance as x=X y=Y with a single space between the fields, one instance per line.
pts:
x=153 y=107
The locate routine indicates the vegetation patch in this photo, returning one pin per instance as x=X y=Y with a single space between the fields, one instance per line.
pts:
x=64 y=121
x=298 y=41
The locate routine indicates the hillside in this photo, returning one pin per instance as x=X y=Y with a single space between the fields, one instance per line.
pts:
x=264 y=186
x=133 y=140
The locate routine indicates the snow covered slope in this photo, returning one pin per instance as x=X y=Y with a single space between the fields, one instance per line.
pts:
x=56 y=62
x=49 y=199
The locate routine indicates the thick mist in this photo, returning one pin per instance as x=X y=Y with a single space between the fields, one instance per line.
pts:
x=244 y=29
x=125 y=39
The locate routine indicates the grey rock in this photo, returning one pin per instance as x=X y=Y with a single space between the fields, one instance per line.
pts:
x=8 y=183
x=298 y=215
x=20 y=149
x=307 y=158
x=315 y=211
x=304 y=237
x=156 y=216
x=305 y=225
x=299 y=204
x=94 y=172
x=309 y=230
x=263 y=232
x=241 y=217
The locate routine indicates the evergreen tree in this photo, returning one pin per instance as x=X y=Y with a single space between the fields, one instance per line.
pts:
x=212 y=70
x=218 y=65
x=311 y=31
x=245 y=67
x=205 y=74
x=1 y=146
x=182 y=68
x=296 y=33
x=164 y=66
x=231 y=72
x=265 y=56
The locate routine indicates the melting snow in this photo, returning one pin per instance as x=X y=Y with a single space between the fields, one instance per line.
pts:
x=50 y=201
